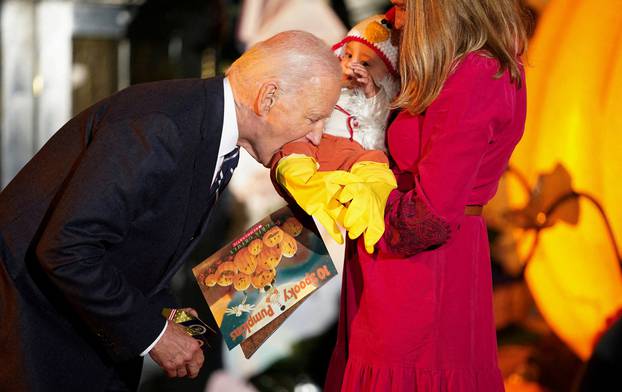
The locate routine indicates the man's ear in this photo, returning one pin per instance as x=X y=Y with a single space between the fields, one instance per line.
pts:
x=266 y=97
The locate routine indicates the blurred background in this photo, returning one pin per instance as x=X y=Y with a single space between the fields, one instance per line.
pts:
x=553 y=226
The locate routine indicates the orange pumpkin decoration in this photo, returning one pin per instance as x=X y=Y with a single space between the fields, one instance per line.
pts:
x=210 y=280
x=272 y=237
x=225 y=273
x=269 y=258
x=245 y=261
x=255 y=246
x=288 y=245
x=292 y=226
x=241 y=281
x=263 y=278
x=574 y=96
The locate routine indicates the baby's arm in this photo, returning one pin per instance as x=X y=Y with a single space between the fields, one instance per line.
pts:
x=333 y=153
x=296 y=177
x=365 y=188
x=297 y=147
x=341 y=183
x=338 y=153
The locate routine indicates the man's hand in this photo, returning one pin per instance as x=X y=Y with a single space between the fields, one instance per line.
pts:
x=177 y=353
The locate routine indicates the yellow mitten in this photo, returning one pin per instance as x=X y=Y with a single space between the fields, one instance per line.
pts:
x=315 y=192
x=367 y=198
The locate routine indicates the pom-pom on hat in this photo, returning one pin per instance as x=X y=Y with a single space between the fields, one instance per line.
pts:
x=375 y=32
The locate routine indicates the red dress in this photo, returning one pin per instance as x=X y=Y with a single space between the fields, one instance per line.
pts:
x=424 y=322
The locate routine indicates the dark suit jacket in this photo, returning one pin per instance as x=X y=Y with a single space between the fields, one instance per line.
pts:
x=94 y=226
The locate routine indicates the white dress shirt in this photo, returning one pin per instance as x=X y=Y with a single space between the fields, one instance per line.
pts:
x=228 y=141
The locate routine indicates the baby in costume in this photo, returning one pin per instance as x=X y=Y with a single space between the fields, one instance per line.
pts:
x=346 y=179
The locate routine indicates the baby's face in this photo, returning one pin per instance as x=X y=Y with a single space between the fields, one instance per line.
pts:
x=357 y=52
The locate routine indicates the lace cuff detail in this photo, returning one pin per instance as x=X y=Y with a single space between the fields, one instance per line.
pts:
x=412 y=227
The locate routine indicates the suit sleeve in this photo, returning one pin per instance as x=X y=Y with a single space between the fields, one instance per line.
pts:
x=118 y=175
x=459 y=124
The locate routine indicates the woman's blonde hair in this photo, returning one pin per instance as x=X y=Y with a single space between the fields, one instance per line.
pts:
x=438 y=33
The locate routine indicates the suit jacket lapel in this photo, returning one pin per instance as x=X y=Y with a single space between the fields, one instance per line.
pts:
x=199 y=204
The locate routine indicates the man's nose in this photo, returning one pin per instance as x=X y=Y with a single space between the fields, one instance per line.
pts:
x=316 y=134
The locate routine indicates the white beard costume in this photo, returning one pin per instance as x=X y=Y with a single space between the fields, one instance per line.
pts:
x=363 y=119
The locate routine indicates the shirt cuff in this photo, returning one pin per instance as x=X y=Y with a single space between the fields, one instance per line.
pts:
x=155 y=341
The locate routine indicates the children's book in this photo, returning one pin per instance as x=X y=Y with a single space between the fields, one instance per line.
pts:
x=252 y=284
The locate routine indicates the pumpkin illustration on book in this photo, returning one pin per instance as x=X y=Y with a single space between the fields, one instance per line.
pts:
x=292 y=226
x=288 y=245
x=269 y=258
x=263 y=278
x=225 y=273
x=210 y=280
x=255 y=246
x=273 y=237
x=241 y=281
x=245 y=261
x=258 y=279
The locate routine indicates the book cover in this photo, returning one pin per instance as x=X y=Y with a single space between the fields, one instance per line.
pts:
x=252 y=283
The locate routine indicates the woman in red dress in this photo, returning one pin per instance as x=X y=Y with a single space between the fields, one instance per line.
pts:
x=417 y=314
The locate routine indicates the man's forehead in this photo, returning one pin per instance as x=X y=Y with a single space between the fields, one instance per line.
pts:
x=320 y=85
x=320 y=106
x=319 y=90
x=316 y=82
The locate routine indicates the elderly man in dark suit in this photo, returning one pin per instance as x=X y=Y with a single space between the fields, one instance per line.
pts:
x=95 y=225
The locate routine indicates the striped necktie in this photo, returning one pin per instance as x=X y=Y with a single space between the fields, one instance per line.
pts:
x=229 y=164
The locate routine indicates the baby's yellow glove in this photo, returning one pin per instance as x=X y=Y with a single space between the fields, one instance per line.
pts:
x=315 y=192
x=367 y=197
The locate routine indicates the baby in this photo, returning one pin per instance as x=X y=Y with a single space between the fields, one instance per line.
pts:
x=370 y=82
x=346 y=179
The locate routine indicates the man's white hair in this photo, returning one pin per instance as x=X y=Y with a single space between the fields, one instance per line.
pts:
x=291 y=57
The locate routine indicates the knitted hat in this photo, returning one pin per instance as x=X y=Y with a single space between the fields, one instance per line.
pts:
x=375 y=32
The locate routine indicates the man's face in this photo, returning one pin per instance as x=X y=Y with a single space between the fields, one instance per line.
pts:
x=296 y=116
x=400 y=13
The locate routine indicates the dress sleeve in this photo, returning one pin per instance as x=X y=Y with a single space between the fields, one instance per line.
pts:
x=457 y=129
x=111 y=183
